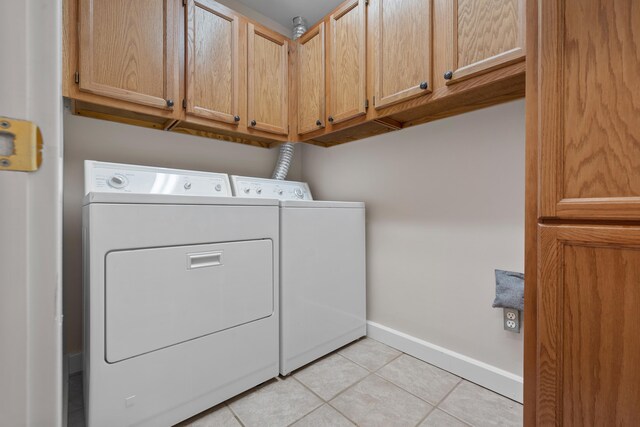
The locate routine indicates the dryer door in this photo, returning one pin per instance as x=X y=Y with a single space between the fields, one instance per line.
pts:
x=159 y=297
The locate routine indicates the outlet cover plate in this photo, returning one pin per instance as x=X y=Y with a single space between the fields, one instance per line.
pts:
x=511 y=320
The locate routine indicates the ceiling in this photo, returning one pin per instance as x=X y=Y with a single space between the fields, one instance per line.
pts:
x=283 y=11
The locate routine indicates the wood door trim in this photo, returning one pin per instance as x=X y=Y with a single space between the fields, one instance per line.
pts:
x=550 y=105
x=362 y=90
x=551 y=304
x=190 y=54
x=378 y=67
x=86 y=53
x=488 y=64
x=317 y=31
x=278 y=39
x=606 y=208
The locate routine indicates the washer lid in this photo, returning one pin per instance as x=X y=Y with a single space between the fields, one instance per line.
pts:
x=320 y=204
x=163 y=199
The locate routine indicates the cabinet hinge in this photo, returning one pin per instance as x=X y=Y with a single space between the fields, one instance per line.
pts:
x=366 y=104
x=76 y=77
x=374 y=101
x=184 y=103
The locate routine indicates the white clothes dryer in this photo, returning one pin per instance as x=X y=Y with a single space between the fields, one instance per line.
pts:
x=322 y=270
x=181 y=295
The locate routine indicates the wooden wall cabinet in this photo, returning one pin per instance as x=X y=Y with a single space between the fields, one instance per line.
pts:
x=402 y=50
x=588 y=345
x=213 y=62
x=268 y=82
x=487 y=34
x=198 y=67
x=311 y=80
x=347 y=58
x=127 y=51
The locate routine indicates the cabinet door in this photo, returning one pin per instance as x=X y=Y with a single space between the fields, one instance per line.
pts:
x=213 y=54
x=268 y=80
x=402 y=49
x=311 y=75
x=589 y=109
x=487 y=34
x=347 y=71
x=588 y=326
x=127 y=50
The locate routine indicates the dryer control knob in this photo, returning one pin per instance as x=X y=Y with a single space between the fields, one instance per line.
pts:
x=246 y=190
x=299 y=194
x=117 y=181
x=187 y=185
x=218 y=187
x=259 y=190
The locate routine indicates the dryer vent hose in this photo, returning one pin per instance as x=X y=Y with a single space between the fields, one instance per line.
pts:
x=284 y=161
x=286 y=149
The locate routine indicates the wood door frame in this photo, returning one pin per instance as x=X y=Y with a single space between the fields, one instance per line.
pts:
x=252 y=30
x=488 y=64
x=318 y=30
x=190 y=29
x=362 y=90
x=85 y=56
x=378 y=100
x=31 y=292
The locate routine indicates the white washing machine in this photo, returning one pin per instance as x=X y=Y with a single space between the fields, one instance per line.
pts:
x=322 y=270
x=181 y=295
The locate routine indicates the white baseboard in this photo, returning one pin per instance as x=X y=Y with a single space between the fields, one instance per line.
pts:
x=74 y=363
x=488 y=376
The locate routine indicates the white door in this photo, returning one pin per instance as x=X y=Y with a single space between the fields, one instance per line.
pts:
x=30 y=219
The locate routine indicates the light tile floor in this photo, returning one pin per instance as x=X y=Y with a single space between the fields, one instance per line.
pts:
x=364 y=384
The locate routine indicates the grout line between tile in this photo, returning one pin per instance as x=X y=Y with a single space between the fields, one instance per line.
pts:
x=433 y=408
x=447 y=395
x=236 y=416
x=369 y=370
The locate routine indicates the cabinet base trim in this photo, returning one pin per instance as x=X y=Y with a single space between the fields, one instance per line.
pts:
x=488 y=376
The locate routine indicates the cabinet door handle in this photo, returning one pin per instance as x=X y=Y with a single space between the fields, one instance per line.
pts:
x=236 y=118
x=331 y=119
x=253 y=123
x=318 y=123
x=448 y=75
x=169 y=102
x=424 y=85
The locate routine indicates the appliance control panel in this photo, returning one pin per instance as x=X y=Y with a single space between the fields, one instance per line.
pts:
x=101 y=177
x=245 y=186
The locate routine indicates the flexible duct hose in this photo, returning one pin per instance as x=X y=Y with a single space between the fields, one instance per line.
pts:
x=284 y=161
x=286 y=150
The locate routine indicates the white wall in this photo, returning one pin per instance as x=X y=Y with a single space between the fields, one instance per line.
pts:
x=445 y=207
x=92 y=139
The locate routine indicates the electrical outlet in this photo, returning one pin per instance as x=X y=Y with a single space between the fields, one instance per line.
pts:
x=511 y=320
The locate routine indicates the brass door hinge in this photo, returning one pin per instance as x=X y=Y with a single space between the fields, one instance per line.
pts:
x=184 y=103
x=366 y=104
x=374 y=101
x=76 y=77
x=20 y=145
